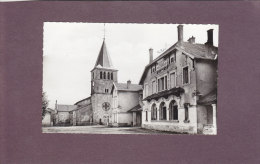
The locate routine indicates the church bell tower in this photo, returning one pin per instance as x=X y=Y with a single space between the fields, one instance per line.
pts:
x=102 y=77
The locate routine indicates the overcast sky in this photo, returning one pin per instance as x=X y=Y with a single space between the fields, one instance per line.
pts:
x=70 y=51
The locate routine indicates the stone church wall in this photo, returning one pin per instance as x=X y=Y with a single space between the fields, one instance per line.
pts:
x=99 y=114
x=84 y=115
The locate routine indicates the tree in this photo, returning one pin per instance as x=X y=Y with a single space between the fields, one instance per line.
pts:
x=45 y=104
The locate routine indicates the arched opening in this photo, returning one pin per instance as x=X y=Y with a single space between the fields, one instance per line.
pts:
x=162 y=112
x=104 y=75
x=173 y=111
x=100 y=75
x=108 y=75
x=154 y=112
x=111 y=75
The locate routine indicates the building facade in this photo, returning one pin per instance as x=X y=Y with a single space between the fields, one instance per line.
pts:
x=125 y=96
x=177 y=86
x=64 y=114
x=103 y=75
x=83 y=114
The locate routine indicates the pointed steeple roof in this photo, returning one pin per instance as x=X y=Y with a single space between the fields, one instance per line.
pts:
x=103 y=57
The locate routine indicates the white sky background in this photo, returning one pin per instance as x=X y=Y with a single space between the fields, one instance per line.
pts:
x=70 y=51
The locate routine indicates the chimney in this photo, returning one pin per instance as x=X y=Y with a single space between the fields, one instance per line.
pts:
x=191 y=40
x=180 y=33
x=128 y=84
x=151 y=55
x=56 y=105
x=210 y=37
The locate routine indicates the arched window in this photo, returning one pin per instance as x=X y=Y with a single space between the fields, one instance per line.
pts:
x=104 y=75
x=162 y=112
x=93 y=75
x=108 y=75
x=111 y=75
x=154 y=112
x=100 y=75
x=173 y=113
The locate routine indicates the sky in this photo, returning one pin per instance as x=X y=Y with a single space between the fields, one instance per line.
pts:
x=70 y=51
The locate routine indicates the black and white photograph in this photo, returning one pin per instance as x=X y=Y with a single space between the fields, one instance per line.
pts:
x=129 y=78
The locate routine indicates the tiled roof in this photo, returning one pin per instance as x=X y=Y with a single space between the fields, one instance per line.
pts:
x=132 y=87
x=103 y=59
x=199 y=51
x=82 y=100
x=194 y=50
x=65 y=108
x=136 y=108
x=210 y=98
x=165 y=94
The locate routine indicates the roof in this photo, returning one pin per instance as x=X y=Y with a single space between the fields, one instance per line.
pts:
x=174 y=91
x=210 y=98
x=50 y=110
x=103 y=59
x=82 y=100
x=65 y=108
x=193 y=50
x=136 y=108
x=131 y=87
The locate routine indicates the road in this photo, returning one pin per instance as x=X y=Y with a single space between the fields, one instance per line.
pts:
x=100 y=129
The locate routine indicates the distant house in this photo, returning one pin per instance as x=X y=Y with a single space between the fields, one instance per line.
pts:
x=179 y=92
x=64 y=115
x=48 y=117
x=125 y=104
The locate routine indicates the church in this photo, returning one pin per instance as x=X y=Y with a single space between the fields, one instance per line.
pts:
x=97 y=109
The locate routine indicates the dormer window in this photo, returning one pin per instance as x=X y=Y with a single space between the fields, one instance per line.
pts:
x=173 y=58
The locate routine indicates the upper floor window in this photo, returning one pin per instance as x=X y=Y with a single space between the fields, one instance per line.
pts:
x=104 y=75
x=162 y=83
x=173 y=58
x=92 y=75
x=153 y=69
x=106 y=90
x=185 y=74
x=101 y=75
x=112 y=76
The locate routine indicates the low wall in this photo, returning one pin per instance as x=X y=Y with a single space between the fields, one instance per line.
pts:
x=171 y=127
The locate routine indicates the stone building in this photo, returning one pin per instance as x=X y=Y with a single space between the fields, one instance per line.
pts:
x=48 y=118
x=82 y=115
x=63 y=116
x=180 y=87
x=103 y=75
x=125 y=97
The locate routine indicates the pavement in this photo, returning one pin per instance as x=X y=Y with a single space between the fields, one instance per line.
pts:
x=100 y=129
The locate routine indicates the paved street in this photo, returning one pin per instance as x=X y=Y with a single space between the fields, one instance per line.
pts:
x=100 y=129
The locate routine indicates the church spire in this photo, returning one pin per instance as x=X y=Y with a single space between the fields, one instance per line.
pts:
x=104 y=59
